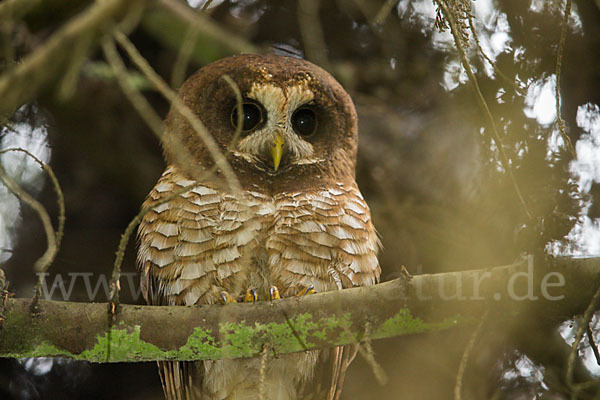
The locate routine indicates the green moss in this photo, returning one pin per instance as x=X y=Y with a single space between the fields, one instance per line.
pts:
x=124 y=345
x=43 y=349
x=404 y=323
x=19 y=344
x=233 y=339
x=200 y=343
x=239 y=339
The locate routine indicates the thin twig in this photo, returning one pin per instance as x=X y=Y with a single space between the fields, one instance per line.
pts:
x=582 y=324
x=45 y=64
x=491 y=62
x=369 y=355
x=60 y=198
x=462 y=367
x=42 y=263
x=483 y=104
x=68 y=82
x=183 y=56
x=384 y=12
x=577 y=388
x=312 y=32
x=561 y=48
x=141 y=105
x=139 y=102
x=262 y=373
x=184 y=110
x=151 y=118
x=240 y=107
x=206 y=5
x=593 y=345
x=205 y=25
x=115 y=285
x=127 y=234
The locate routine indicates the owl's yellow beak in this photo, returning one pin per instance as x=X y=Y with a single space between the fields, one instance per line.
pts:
x=277 y=151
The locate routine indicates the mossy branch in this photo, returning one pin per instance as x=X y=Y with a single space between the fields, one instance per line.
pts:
x=402 y=306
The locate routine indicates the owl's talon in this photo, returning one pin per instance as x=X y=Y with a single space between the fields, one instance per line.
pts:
x=274 y=293
x=307 y=289
x=251 y=296
x=226 y=298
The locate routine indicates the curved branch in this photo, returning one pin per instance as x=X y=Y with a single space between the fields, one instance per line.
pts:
x=423 y=303
x=42 y=263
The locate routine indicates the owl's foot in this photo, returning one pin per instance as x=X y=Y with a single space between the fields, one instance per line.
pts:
x=251 y=296
x=226 y=298
x=306 y=289
x=274 y=293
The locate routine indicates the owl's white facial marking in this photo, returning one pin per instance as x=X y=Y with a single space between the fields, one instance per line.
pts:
x=279 y=105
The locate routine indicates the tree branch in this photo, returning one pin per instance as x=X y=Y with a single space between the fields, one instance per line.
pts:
x=402 y=306
x=27 y=79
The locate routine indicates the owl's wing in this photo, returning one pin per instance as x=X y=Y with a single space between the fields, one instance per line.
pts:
x=176 y=378
x=330 y=374
x=356 y=265
x=188 y=241
x=175 y=261
x=353 y=243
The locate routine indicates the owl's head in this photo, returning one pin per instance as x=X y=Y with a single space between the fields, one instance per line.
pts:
x=298 y=125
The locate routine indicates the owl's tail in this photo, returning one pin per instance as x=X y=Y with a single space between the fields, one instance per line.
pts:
x=176 y=379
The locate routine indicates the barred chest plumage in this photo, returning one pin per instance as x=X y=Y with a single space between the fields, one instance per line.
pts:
x=299 y=220
x=201 y=241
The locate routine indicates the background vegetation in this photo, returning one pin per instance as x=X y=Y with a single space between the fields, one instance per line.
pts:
x=449 y=187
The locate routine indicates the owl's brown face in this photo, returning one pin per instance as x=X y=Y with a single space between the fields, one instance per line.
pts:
x=298 y=125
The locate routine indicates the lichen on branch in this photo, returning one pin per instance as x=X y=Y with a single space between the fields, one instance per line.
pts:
x=403 y=306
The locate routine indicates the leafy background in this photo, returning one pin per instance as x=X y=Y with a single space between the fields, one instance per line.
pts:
x=440 y=195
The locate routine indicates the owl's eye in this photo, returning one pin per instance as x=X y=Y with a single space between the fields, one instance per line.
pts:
x=304 y=121
x=252 y=116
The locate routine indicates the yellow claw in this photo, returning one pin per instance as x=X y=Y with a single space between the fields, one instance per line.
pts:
x=251 y=296
x=308 y=289
x=226 y=298
x=277 y=151
x=274 y=293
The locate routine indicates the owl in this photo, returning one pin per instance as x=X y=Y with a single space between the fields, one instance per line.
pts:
x=299 y=224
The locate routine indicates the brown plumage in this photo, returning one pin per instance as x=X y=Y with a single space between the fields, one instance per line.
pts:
x=298 y=221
